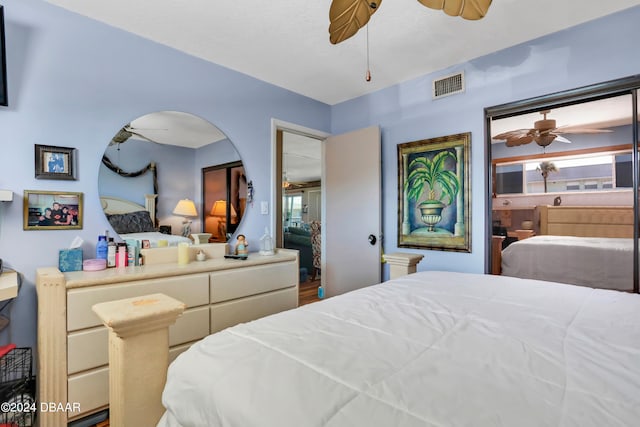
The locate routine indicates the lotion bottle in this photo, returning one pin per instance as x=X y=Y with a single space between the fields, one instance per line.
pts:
x=111 y=253
x=121 y=256
x=101 y=247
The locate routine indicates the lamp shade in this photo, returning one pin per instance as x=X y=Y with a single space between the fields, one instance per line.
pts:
x=220 y=209
x=185 y=207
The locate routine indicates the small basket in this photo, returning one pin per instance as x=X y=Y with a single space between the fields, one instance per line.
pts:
x=17 y=389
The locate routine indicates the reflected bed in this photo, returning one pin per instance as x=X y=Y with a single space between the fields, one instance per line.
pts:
x=133 y=221
x=581 y=245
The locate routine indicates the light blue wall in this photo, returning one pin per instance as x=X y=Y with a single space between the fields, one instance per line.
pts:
x=74 y=82
x=594 y=52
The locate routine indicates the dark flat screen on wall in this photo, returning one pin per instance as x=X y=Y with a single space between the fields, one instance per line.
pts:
x=3 y=62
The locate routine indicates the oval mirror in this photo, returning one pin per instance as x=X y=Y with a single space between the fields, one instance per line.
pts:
x=171 y=176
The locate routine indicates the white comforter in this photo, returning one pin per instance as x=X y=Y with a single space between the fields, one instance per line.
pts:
x=430 y=349
x=597 y=262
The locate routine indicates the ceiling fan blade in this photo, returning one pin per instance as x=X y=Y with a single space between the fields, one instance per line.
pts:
x=515 y=141
x=122 y=136
x=346 y=17
x=517 y=133
x=578 y=129
x=561 y=138
x=467 y=9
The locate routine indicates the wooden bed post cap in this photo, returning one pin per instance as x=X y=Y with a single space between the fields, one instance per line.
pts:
x=401 y=263
x=133 y=316
x=403 y=258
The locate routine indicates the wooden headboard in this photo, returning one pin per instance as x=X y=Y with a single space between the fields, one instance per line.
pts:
x=116 y=205
x=586 y=221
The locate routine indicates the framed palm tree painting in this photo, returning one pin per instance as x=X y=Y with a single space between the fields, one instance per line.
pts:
x=434 y=193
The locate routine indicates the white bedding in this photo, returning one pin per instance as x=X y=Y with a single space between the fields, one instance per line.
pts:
x=597 y=262
x=430 y=349
x=154 y=236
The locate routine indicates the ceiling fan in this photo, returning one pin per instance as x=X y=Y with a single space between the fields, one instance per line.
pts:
x=127 y=132
x=348 y=16
x=544 y=132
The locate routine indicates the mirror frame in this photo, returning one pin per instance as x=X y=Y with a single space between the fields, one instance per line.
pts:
x=624 y=86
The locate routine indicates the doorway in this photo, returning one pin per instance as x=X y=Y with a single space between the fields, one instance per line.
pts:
x=297 y=192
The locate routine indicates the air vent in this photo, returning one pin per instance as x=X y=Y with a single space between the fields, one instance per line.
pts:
x=448 y=85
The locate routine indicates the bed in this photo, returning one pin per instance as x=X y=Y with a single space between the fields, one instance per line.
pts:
x=428 y=349
x=134 y=221
x=582 y=245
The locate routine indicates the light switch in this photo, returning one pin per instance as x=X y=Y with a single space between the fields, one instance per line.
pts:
x=264 y=208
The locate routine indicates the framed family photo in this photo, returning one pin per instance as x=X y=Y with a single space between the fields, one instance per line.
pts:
x=55 y=162
x=52 y=210
x=434 y=193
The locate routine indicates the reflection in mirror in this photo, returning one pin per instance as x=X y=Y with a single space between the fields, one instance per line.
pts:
x=225 y=189
x=154 y=162
x=559 y=175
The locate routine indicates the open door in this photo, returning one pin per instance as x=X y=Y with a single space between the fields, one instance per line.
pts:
x=351 y=229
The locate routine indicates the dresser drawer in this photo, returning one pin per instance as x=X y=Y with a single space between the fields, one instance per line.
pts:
x=90 y=389
x=229 y=313
x=231 y=284
x=193 y=290
x=89 y=349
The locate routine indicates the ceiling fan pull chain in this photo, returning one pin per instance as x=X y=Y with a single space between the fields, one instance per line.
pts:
x=368 y=74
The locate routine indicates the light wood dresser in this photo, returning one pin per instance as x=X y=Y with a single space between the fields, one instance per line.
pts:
x=73 y=364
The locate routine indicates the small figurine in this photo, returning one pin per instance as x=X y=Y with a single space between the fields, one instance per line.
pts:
x=241 y=245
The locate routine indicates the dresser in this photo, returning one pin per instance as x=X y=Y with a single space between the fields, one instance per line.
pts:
x=73 y=364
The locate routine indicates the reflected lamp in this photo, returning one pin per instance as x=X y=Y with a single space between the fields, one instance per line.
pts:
x=186 y=208
x=219 y=210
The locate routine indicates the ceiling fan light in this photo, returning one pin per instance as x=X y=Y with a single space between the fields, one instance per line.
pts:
x=544 y=140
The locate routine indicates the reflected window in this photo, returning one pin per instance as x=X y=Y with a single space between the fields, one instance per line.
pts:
x=292 y=211
x=601 y=172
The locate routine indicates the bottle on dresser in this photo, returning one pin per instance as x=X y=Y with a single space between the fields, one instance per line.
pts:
x=101 y=247
x=111 y=253
x=121 y=255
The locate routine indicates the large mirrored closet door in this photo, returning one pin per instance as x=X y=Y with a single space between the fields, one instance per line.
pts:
x=562 y=191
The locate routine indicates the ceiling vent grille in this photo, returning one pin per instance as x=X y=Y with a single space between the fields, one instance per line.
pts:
x=448 y=85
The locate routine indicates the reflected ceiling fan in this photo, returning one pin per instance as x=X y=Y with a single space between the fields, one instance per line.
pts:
x=544 y=132
x=348 y=16
x=127 y=132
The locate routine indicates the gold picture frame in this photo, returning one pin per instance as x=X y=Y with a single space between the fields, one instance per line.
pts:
x=52 y=210
x=434 y=193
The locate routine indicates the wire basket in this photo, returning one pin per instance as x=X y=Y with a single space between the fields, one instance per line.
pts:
x=17 y=389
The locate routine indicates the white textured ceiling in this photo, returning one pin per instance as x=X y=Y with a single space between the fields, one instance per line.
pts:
x=286 y=42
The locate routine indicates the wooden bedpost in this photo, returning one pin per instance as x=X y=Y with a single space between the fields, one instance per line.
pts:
x=138 y=356
x=52 y=343
x=401 y=264
x=496 y=254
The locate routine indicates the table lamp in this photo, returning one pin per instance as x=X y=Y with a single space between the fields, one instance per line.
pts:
x=186 y=208
x=219 y=210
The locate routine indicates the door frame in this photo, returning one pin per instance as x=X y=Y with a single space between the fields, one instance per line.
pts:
x=275 y=209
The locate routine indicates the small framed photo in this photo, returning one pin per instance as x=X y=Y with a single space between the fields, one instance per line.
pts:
x=146 y=244
x=55 y=162
x=52 y=210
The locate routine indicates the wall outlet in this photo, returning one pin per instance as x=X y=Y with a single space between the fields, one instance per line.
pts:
x=264 y=208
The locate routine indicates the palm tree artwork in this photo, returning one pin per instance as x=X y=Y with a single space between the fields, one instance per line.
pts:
x=430 y=175
x=545 y=168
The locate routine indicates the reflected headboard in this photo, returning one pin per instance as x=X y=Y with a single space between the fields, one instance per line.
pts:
x=586 y=221
x=116 y=205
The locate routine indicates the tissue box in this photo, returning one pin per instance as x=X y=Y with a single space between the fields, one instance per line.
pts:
x=70 y=260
